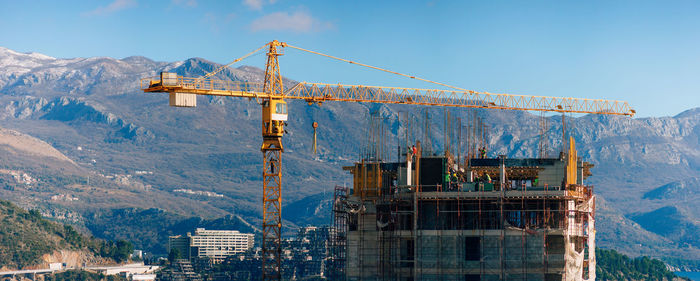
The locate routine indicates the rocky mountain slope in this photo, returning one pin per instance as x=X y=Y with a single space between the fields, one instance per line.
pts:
x=29 y=241
x=140 y=153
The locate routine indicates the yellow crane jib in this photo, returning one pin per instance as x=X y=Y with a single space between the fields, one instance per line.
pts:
x=181 y=91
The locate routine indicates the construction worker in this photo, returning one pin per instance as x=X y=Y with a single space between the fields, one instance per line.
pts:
x=488 y=178
x=482 y=152
x=455 y=181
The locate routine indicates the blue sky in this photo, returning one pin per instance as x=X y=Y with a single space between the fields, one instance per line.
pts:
x=643 y=52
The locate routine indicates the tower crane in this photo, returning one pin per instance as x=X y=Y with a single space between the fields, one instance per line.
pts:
x=272 y=94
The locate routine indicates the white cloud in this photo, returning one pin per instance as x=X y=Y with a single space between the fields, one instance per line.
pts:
x=299 y=21
x=253 y=4
x=116 y=5
x=215 y=22
x=257 y=4
x=229 y=17
x=188 y=3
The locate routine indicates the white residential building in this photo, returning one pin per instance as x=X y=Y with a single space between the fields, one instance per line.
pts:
x=219 y=244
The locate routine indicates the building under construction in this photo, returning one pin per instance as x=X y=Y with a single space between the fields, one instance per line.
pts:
x=441 y=217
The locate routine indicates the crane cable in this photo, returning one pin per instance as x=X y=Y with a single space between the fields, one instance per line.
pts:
x=329 y=56
x=314 y=125
x=377 y=68
x=231 y=63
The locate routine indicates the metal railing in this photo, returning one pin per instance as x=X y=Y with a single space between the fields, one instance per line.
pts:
x=186 y=84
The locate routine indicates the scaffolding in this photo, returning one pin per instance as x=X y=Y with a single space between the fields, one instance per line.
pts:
x=338 y=238
x=438 y=218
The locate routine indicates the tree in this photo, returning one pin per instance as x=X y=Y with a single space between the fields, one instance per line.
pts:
x=615 y=266
x=174 y=255
x=123 y=250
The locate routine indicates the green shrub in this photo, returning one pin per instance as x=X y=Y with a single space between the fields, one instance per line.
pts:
x=612 y=265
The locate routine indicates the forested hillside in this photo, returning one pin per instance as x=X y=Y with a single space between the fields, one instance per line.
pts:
x=155 y=226
x=613 y=266
x=27 y=239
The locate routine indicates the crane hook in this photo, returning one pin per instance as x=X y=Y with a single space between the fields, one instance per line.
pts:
x=314 y=125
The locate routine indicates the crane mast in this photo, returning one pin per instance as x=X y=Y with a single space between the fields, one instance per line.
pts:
x=273 y=120
x=271 y=92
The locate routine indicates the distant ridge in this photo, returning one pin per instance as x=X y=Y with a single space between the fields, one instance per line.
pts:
x=681 y=189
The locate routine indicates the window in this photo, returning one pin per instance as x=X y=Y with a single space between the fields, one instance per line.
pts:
x=405 y=222
x=352 y=222
x=281 y=108
x=472 y=248
x=472 y=277
x=407 y=252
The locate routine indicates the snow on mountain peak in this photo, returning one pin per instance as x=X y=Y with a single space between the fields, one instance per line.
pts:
x=22 y=62
x=40 y=56
x=5 y=52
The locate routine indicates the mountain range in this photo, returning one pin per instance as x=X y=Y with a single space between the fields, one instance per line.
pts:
x=104 y=145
